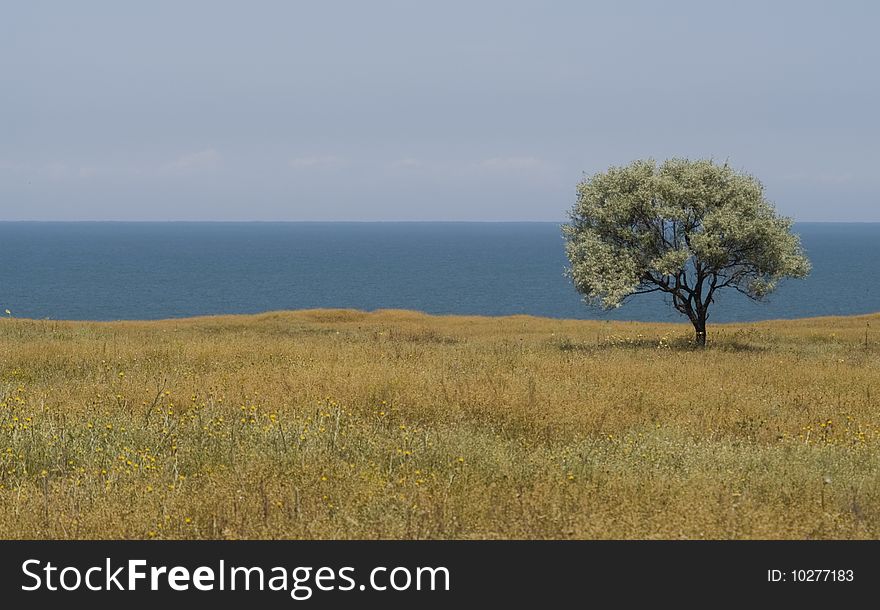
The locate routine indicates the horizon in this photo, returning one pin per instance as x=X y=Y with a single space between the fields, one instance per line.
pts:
x=343 y=221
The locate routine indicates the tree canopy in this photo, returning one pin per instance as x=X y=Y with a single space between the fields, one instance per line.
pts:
x=684 y=228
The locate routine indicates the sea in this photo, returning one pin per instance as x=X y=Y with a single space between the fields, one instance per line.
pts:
x=154 y=270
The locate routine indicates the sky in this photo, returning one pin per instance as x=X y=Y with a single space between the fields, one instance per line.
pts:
x=170 y=110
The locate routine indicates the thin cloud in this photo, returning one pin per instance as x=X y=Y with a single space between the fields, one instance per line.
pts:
x=13 y=167
x=204 y=160
x=89 y=172
x=407 y=163
x=57 y=171
x=316 y=162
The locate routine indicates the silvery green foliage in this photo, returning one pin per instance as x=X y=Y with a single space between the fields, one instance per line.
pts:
x=686 y=228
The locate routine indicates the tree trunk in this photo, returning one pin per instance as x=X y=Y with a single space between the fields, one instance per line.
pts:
x=699 y=331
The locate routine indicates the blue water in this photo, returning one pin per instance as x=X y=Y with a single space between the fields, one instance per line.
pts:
x=105 y=271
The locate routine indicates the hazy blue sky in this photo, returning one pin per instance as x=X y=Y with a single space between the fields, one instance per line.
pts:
x=419 y=111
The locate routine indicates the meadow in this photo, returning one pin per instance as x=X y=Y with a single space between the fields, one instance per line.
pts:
x=395 y=424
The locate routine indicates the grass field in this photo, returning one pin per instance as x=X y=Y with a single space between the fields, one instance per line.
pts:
x=343 y=424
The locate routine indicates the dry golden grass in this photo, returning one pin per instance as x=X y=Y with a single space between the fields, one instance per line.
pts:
x=343 y=424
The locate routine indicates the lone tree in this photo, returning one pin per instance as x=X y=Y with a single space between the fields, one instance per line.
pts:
x=684 y=228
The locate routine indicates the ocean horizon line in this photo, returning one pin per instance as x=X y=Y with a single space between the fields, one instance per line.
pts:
x=215 y=221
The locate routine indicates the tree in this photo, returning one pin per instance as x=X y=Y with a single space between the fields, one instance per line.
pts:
x=684 y=228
